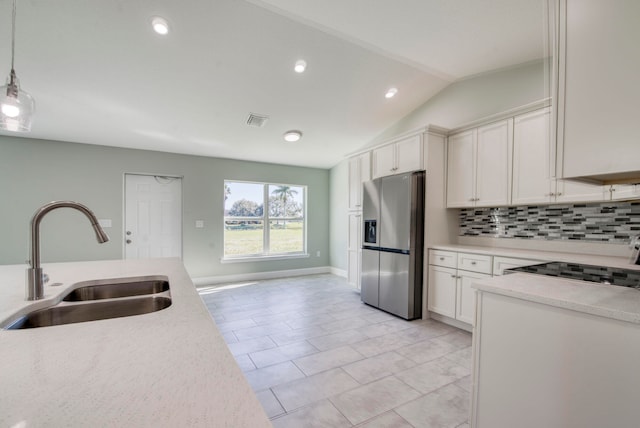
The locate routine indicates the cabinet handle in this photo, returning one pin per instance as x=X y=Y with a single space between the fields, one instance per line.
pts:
x=558 y=194
x=550 y=194
x=453 y=276
x=473 y=263
x=441 y=258
x=471 y=200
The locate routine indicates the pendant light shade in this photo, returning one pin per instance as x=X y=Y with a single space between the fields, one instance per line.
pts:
x=16 y=106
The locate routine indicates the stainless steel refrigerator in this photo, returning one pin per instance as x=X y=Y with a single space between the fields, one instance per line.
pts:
x=392 y=244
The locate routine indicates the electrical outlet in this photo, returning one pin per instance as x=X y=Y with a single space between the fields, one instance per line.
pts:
x=317 y=253
x=199 y=224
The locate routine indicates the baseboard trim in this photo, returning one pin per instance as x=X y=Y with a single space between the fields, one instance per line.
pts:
x=212 y=280
x=452 y=322
x=339 y=272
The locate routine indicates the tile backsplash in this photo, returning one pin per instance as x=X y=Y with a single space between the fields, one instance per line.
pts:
x=598 y=222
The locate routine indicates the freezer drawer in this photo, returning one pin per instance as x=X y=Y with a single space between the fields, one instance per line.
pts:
x=369 y=277
x=400 y=293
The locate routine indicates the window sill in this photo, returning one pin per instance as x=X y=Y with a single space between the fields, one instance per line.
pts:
x=264 y=258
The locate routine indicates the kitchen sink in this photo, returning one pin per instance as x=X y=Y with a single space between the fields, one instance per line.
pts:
x=69 y=313
x=121 y=287
x=99 y=300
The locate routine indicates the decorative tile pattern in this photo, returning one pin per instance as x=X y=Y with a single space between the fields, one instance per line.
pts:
x=614 y=222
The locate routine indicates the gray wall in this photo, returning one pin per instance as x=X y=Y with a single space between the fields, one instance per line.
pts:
x=33 y=172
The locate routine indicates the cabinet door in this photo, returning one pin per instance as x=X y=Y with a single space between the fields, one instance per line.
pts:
x=601 y=95
x=533 y=175
x=359 y=172
x=441 y=298
x=355 y=185
x=575 y=191
x=409 y=154
x=493 y=160
x=461 y=169
x=354 y=252
x=466 y=296
x=384 y=161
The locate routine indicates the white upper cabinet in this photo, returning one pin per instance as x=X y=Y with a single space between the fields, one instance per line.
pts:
x=479 y=166
x=493 y=170
x=533 y=178
x=461 y=169
x=359 y=172
x=399 y=157
x=599 y=94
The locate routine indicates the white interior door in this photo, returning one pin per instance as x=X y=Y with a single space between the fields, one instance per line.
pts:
x=153 y=216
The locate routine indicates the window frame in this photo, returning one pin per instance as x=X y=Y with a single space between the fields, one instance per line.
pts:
x=266 y=229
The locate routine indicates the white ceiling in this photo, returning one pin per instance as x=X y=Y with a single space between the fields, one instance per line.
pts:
x=100 y=75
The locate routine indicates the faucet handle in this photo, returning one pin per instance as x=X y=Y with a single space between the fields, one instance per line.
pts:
x=45 y=278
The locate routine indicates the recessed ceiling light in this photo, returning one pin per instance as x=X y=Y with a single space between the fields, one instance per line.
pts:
x=391 y=93
x=301 y=66
x=292 y=136
x=160 y=25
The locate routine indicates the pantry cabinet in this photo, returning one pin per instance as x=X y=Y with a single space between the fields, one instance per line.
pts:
x=479 y=166
x=354 y=249
x=598 y=96
x=359 y=172
x=401 y=156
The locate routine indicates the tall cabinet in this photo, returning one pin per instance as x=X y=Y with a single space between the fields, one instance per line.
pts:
x=359 y=172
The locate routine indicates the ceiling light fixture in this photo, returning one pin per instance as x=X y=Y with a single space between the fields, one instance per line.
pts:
x=292 y=136
x=160 y=25
x=391 y=93
x=301 y=66
x=16 y=106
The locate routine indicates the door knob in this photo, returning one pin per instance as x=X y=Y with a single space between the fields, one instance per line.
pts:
x=128 y=241
x=128 y=232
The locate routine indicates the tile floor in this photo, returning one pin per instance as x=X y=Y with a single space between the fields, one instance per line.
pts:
x=316 y=356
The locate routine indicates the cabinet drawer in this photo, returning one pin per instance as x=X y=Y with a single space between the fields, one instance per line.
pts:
x=443 y=258
x=475 y=262
x=502 y=263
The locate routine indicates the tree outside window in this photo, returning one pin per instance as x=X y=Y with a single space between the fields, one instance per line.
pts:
x=250 y=230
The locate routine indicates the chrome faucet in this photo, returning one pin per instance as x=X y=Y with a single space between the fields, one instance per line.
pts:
x=35 y=276
x=635 y=250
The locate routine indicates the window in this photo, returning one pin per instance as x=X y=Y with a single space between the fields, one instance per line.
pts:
x=264 y=220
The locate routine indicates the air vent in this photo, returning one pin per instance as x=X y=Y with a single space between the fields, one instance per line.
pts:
x=257 y=120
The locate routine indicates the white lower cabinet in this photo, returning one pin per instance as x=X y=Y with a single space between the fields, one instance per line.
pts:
x=449 y=288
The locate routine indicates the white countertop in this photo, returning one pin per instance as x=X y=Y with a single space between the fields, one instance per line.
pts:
x=164 y=369
x=610 y=301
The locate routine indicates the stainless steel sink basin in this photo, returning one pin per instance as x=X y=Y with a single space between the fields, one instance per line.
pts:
x=69 y=313
x=121 y=287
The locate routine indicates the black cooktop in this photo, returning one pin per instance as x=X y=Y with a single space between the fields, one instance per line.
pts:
x=601 y=274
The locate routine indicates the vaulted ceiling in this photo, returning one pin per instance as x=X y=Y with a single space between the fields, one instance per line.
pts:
x=100 y=75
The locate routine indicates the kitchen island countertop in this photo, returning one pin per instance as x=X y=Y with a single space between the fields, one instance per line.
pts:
x=167 y=368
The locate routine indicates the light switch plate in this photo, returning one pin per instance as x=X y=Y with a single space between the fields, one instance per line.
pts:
x=199 y=224
x=105 y=222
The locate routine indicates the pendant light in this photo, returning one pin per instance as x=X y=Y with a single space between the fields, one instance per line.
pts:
x=16 y=106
